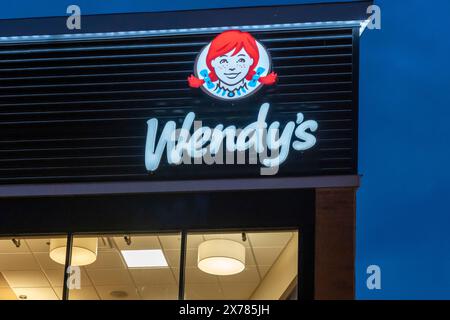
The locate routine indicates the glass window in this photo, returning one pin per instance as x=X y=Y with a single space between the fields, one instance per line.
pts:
x=242 y=265
x=28 y=271
x=125 y=267
x=225 y=265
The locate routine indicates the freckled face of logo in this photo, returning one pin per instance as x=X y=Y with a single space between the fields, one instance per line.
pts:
x=233 y=66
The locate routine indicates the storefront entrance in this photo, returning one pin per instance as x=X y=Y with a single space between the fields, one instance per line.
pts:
x=277 y=253
x=298 y=243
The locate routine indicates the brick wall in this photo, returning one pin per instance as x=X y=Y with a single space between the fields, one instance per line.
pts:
x=335 y=244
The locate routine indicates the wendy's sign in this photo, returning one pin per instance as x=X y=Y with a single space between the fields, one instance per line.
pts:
x=269 y=142
x=232 y=66
x=205 y=104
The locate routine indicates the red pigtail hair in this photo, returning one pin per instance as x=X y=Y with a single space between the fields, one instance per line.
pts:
x=195 y=82
x=270 y=79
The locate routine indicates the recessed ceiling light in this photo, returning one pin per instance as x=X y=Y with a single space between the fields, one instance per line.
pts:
x=144 y=258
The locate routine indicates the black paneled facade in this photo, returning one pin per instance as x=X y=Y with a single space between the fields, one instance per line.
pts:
x=76 y=110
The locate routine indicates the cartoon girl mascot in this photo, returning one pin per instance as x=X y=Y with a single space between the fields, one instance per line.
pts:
x=233 y=65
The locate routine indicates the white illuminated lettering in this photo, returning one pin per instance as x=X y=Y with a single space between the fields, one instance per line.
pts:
x=216 y=139
x=254 y=132
x=153 y=154
x=230 y=138
x=281 y=145
x=183 y=142
x=200 y=137
x=301 y=133
x=256 y=136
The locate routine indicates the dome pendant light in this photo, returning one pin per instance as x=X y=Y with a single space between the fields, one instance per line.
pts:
x=84 y=251
x=221 y=257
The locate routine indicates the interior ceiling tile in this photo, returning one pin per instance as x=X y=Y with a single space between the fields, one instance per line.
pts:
x=104 y=245
x=46 y=262
x=84 y=293
x=18 y=262
x=165 y=292
x=7 y=294
x=204 y=291
x=249 y=275
x=36 y=293
x=85 y=280
x=195 y=275
x=238 y=291
x=176 y=274
x=109 y=277
x=263 y=270
x=58 y=291
x=38 y=245
x=269 y=240
x=130 y=292
x=3 y=282
x=194 y=240
x=107 y=260
x=138 y=243
x=26 y=279
x=172 y=258
x=56 y=277
x=8 y=246
x=153 y=276
x=266 y=256
x=249 y=258
x=171 y=242
x=191 y=257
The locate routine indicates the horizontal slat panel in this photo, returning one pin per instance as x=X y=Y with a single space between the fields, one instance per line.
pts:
x=77 y=110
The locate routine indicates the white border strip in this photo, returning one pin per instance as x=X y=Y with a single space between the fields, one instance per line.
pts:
x=363 y=26
x=128 y=34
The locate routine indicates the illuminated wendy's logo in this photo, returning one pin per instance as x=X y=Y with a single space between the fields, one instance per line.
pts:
x=232 y=66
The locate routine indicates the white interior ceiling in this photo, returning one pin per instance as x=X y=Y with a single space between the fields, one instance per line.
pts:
x=29 y=271
x=262 y=250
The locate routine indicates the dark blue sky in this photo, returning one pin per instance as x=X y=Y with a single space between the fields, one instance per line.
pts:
x=402 y=215
x=47 y=8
